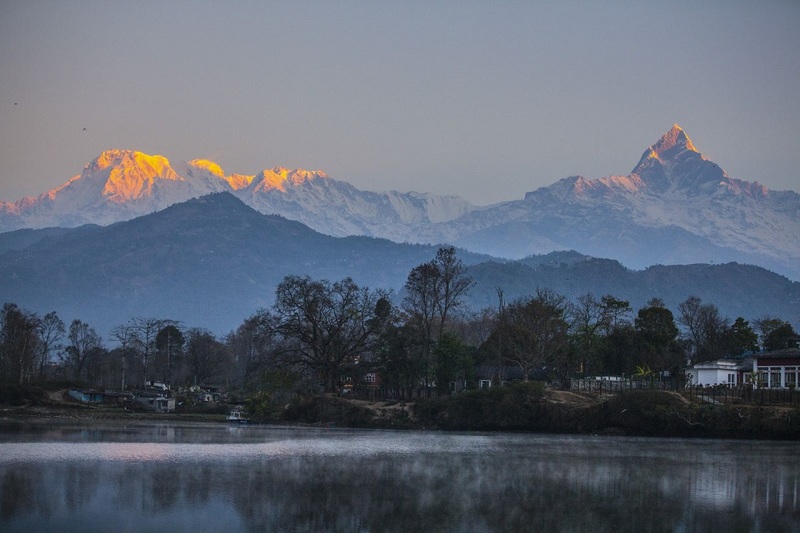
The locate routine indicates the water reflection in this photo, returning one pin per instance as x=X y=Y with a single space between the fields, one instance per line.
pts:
x=261 y=479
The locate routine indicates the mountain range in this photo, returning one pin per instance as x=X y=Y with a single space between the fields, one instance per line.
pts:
x=213 y=261
x=674 y=207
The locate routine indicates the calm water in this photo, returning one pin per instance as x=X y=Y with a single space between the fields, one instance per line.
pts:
x=217 y=478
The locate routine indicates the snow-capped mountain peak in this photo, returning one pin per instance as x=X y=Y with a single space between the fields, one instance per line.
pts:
x=673 y=163
x=209 y=166
x=278 y=178
x=675 y=206
x=128 y=175
x=674 y=141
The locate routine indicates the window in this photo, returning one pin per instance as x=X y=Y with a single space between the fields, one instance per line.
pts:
x=369 y=377
x=485 y=383
x=775 y=377
x=731 y=379
x=790 y=375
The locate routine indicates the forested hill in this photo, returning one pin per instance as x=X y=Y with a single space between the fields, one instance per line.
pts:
x=737 y=290
x=209 y=262
x=213 y=261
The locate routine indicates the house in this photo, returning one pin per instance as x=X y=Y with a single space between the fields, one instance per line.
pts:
x=155 y=402
x=728 y=372
x=372 y=378
x=87 y=396
x=777 y=369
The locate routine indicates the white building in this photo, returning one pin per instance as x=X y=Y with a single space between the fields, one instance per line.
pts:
x=729 y=372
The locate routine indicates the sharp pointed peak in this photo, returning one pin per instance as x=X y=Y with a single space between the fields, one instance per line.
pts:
x=675 y=137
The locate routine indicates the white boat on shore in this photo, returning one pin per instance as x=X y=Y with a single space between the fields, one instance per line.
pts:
x=237 y=416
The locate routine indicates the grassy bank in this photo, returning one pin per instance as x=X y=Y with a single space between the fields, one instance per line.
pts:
x=525 y=407
x=531 y=408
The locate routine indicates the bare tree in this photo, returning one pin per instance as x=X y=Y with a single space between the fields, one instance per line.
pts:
x=704 y=328
x=534 y=331
x=142 y=333
x=329 y=324
x=206 y=356
x=124 y=335
x=83 y=339
x=254 y=347
x=453 y=284
x=18 y=343
x=51 y=331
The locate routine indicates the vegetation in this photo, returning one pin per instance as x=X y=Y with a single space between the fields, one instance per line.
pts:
x=337 y=338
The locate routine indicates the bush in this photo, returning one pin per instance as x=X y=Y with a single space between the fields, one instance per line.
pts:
x=508 y=408
x=16 y=395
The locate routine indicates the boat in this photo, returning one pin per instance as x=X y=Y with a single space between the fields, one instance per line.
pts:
x=237 y=416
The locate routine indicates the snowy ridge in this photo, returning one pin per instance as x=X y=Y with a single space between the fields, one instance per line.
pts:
x=675 y=206
x=122 y=184
x=674 y=191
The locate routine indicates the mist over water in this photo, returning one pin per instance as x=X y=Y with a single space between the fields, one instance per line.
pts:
x=206 y=478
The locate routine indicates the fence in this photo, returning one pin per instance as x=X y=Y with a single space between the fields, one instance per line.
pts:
x=745 y=394
x=626 y=384
x=720 y=394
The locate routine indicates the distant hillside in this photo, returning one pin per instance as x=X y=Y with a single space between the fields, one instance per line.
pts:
x=738 y=290
x=213 y=261
x=208 y=262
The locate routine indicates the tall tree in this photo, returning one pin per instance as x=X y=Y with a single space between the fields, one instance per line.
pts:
x=18 y=343
x=452 y=360
x=142 y=333
x=169 y=351
x=453 y=284
x=657 y=338
x=764 y=326
x=433 y=292
x=123 y=334
x=740 y=338
x=534 y=332
x=254 y=348
x=421 y=289
x=83 y=339
x=51 y=332
x=329 y=324
x=781 y=337
x=705 y=328
x=590 y=318
x=207 y=358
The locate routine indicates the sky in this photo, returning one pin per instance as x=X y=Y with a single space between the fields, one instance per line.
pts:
x=481 y=99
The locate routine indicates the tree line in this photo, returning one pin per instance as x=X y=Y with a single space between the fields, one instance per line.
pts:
x=323 y=335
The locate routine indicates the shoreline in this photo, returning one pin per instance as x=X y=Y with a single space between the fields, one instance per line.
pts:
x=639 y=413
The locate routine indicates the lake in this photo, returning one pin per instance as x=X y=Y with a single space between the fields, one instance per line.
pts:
x=202 y=477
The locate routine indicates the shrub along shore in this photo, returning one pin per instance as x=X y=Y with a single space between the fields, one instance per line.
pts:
x=529 y=407
x=524 y=407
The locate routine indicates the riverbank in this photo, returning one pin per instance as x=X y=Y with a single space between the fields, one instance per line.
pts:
x=524 y=408
x=530 y=408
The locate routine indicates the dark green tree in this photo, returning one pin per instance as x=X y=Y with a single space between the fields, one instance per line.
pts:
x=657 y=333
x=782 y=337
x=169 y=351
x=740 y=338
x=453 y=361
x=433 y=292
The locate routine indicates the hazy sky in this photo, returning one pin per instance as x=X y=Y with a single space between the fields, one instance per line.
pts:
x=486 y=100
